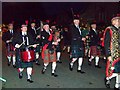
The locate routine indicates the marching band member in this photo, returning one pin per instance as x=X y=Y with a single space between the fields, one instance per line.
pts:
x=77 y=45
x=66 y=39
x=48 y=50
x=34 y=32
x=57 y=37
x=94 y=43
x=112 y=49
x=7 y=38
x=21 y=41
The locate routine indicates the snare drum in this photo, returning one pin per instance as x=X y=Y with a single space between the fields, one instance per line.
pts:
x=27 y=54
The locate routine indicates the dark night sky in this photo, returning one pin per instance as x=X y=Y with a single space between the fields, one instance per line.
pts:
x=38 y=10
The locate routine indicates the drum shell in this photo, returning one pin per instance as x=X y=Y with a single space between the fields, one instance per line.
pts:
x=27 y=54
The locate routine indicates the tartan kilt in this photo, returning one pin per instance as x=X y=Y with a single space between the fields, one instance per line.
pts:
x=10 y=49
x=20 y=63
x=77 y=51
x=94 y=51
x=58 y=49
x=47 y=57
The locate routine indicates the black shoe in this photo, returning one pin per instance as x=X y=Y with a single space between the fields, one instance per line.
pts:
x=97 y=66
x=70 y=67
x=82 y=72
x=116 y=88
x=37 y=63
x=53 y=74
x=29 y=80
x=59 y=61
x=43 y=71
x=20 y=75
x=68 y=52
x=14 y=66
x=107 y=83
x=9 y=64
x=89 y=63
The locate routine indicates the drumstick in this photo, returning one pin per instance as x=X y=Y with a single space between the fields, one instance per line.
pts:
x=32 y=45
x=22 y=43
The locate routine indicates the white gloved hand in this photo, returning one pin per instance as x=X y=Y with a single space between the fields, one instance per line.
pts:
x=7 y=41
x=112 y=68
x=17 y=46
x=34 y=45
x=110 y=58
x=58 y=40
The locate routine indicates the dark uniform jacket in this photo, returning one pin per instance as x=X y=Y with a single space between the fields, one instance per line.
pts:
x=76 y=37
x=45 y=37
x=94 y=38
x=7 y=36
x=18 y=39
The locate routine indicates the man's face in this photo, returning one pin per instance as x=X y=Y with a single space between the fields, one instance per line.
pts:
x=24 y=29
x=46 y=27
x=116 y=22
x=32 y=24
x=10 y=26
x=93 y=26
x=76 y=21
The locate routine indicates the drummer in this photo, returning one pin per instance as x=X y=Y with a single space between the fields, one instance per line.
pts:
x=7 y=38
x=21 y=41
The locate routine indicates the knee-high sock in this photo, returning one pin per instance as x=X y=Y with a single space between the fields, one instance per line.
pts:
x=53 y=67
x=29 y=72
x=80 y=61
x=96 y=60
x=91 y=58
x=14 y=59
x=117 y=84
x=37 y=55
x=68 y=49
x=9 y=58
x=58 y=56
x=73 y=60
x=45 y=65
x=20 y=70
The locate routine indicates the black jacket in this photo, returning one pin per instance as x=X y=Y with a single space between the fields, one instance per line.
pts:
x=94 y=38
x=7 y=36
x=45 y=37
x=18 y=39
x=76 y=37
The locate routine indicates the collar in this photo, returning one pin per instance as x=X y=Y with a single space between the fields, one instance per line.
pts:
x=24 y=33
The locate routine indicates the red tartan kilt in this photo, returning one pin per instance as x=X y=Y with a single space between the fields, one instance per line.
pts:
x=94 y=51
x=47 y=57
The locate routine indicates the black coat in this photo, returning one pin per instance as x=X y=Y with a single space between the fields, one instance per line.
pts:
x=76 y=38
x=94 y=38
x=45 y=37
x=32 y=31
x=18 y=39
x=7 y=36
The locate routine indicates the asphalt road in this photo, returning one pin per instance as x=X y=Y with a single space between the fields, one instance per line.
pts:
x=93 y=78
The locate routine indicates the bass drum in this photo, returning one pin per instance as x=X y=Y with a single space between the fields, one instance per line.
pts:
x=27 y=54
